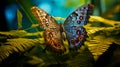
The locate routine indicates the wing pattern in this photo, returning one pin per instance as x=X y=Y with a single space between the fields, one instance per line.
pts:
x=73 y=26
x=52 y=33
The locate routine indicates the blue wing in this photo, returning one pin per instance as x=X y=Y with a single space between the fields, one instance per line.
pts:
x=73 y=26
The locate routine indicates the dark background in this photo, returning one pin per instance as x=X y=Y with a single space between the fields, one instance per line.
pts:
x=3 y=22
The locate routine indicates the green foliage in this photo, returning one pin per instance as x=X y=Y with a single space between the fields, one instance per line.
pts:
x=101 y=37
x=74 y=2
x=19 y=17
x=20 y=34
x=18 y=40
x=16 y=45
x=58 y=18
x=76 y=58
x=101 y=32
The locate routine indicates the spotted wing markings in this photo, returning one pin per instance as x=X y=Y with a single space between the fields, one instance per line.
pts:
x=52 y=33
x=76 y=34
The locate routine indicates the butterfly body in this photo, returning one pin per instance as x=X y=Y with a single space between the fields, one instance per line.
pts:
x=73 y=27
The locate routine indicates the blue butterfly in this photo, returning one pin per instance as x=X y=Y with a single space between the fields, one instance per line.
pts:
x=73 y=28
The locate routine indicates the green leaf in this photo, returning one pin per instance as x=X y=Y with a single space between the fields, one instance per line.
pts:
x=16 y=45
x=58 y=18
x=101 y=36
x=19 y=34
x=19 y=18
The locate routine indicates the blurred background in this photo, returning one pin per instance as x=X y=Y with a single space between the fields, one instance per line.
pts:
x=109 y=9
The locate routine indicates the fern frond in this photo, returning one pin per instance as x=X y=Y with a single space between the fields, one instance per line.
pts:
x=100 y=39
x=22 y=43
x=101 y=36
x=17 y=45
x=20 y=34
x=5 y=51
x=98 y=19
x=98 y=45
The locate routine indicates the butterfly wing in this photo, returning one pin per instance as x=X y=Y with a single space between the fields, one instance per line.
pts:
x=52 y=33
x=73 y=26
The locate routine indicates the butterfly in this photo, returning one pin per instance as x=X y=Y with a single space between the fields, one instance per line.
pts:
x=73 y=28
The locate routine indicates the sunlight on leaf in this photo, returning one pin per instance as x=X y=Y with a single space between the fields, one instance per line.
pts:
x=34 y=25
x=102 y=20
x=21 y=33
x=71 y=3
x=59 y=18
